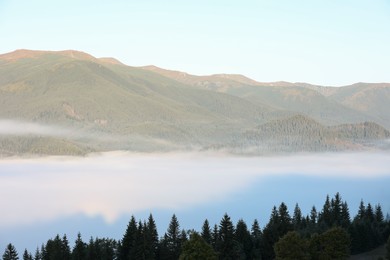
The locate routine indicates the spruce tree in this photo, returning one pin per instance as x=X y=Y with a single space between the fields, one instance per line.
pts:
x=226 y=244
x=37 y=255
x=297 y=218
x=215 y=237
x=256 y=236
x=151 y=238
x=10 y=253
x=128 y=240
x=80 y=249
x=174 y=238
x=27 y=255
x=345 y=217
x=243 y=237
x=206 y=232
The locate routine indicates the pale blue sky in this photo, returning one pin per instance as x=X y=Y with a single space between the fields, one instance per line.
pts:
x=328 y=42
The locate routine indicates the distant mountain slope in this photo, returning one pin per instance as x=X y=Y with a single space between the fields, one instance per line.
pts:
x=106 y=105
x=328 y=105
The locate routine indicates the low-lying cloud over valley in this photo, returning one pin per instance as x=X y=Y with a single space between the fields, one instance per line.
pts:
x=116 y=183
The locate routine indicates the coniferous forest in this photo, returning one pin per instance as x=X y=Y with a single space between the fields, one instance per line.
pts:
x=326 y=233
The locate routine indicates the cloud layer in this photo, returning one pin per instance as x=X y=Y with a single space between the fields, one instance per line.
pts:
x=116 y=183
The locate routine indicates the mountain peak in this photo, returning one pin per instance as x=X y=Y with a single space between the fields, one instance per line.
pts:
x=25 y=54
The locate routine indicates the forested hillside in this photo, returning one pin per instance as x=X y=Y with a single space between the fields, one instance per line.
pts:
x=326 y=233
x=93 y=104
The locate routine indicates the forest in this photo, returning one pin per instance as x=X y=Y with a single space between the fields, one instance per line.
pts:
x=328 y=233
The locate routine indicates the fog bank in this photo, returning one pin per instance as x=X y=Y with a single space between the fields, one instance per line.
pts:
x=116 y=183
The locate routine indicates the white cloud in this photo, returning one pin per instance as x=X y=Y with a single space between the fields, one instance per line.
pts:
x=116 y=183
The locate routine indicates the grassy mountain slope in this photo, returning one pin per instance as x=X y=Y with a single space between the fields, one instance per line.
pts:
x=106 y=105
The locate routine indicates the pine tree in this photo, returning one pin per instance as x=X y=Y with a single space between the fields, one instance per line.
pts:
x=226 y=246
x=38 y=255
x=256 y=240
x=388 y=248
x=345 y=217
x=336 y=205
x=285 y=223
x=313 y=215
x=215 y=237
x=10 y=253
x=27 y=255
x=297 y=218
x=206 y=232
x=80 y=249
x=128 y=240
x=325 y=217
x=65 y=249
x=379 y=214
x=174 y=238
x=243 y=237
x=362 y=211
x=151 y=238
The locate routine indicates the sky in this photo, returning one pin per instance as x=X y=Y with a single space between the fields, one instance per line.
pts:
x=325 y=42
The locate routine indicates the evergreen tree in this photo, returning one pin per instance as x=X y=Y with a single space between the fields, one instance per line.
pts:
x=57 y=249
x=256 y=240
x=243 y=237
x=369 y=213
x=345 y=217
x=27 y=255
x=151 y=239
x=10 y=253
x=206 y=232
x=325 y=217
x=138 y=251
x=226 y=247
x=313 y=215
x=336 y=208
x=128 y=240
x=65 y=249
x=379 y=214
x=297 y=218
x=388 y=248
x=215 y=237
x=361 y=212
x=285 y=223
x=37 y=255
x=79 y=251
x=174 y=238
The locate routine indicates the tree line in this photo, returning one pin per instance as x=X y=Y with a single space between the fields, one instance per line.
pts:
x=330 y=233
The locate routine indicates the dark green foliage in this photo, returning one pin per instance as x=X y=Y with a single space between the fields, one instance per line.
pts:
x=215 y=237
x=128 y=240
x=206 y=232
x=291 y=246
x=279 y=224
x=27 y=255
x=334 y=244
x=37 y=255
x=256 y=237
x=172 y=239
x=79 y=251
x=10 y=253
x=388 y=248
x=244 y=239
x=57 y=249
x=227 y=246
x=197 y=248
x=297 y=218
x=151 y=238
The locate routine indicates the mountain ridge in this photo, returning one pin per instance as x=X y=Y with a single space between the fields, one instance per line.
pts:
x=152 y=109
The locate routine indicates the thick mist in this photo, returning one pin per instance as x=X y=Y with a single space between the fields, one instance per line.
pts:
x=121 y=183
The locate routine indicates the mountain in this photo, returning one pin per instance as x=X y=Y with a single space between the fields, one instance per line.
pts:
x=100 y=104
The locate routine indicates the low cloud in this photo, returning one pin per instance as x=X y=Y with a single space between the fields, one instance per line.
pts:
x=116 y=183
x=21 y=128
